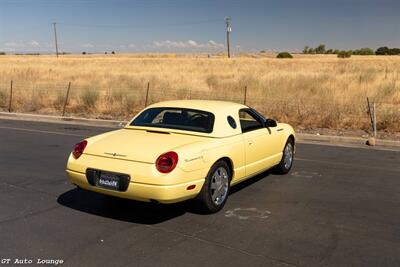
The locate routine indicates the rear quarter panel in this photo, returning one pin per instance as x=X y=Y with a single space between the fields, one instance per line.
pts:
x=201 y=156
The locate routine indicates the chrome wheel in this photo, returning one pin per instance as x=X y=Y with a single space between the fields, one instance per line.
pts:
x=288 y=155
x=219 y=185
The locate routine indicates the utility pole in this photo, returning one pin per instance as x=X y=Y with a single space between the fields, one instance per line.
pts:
x=228 y=31
x=55 y=37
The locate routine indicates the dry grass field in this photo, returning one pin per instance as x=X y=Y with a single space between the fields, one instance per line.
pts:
x=307 y=91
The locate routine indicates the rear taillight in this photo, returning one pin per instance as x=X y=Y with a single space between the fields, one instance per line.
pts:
x=167 y=162
x=78 y=149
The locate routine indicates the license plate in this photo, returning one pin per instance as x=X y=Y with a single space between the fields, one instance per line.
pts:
x=108 y=180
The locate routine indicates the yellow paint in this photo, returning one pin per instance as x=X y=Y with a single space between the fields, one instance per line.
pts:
x=136 y=151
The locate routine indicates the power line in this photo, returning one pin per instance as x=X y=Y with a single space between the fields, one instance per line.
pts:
x=139 y=26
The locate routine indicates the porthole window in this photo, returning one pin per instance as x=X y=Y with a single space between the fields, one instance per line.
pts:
x=231 y=122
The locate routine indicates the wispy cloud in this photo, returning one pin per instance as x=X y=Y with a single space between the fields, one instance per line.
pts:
x=87 y=45
x=187 y=44
x=33 y=43
x=22 y=44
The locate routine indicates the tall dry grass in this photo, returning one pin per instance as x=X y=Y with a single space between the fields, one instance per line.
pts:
x=307 y=91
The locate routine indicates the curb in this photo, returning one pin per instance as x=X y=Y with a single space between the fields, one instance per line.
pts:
x=302 y=137
x=342 y=140
x=59 y=119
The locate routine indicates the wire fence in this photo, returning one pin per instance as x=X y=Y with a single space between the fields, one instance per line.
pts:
x=66 y=99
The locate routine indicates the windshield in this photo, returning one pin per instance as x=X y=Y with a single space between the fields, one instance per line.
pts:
x=176 y=118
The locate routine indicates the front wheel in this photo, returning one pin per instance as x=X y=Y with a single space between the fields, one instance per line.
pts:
x=286 y=162
x=215 y=191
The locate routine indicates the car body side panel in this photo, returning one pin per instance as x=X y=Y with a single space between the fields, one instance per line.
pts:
x=262 y=150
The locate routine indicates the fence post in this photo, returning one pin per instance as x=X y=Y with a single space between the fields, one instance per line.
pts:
x=374 y=118
x=147 y=94
x=66 y=99
x=245 y=95
x=11 y=93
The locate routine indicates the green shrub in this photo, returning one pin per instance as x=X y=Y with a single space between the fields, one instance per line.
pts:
x=344 y=54
x=284 y=55
x=90 y=97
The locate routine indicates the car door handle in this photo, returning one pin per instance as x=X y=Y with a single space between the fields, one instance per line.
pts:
x=250 y=142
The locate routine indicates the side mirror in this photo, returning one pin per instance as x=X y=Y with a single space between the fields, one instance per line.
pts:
x=270 y=123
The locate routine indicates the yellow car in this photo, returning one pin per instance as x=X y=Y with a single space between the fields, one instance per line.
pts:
x=178 y=150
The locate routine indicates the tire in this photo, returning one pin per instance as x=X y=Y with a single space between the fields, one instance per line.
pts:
x=286 y=162
x=218 y=178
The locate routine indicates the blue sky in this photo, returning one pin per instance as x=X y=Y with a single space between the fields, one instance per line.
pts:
x=196 y=26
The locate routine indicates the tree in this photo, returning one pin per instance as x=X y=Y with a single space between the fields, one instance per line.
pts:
x=83 y=53
x=363 y=51
x=329 y=51
x=113 y=52
x=305 y=50
x=320 y=49
x=384 y=50
x=394 y=51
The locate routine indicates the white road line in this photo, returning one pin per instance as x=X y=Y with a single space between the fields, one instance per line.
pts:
x=362 y=146
x=40 y=131
x=358 y=166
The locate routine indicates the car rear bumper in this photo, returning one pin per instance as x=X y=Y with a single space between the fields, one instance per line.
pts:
x=143 y=192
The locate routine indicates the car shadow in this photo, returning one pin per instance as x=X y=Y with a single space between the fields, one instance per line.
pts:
x=120 y=209
x=136 y=211
x=249 y=182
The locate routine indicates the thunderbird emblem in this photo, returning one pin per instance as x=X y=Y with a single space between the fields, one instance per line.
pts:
x=114 y=154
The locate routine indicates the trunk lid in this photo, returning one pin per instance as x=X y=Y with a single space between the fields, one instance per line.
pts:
x=138 y=145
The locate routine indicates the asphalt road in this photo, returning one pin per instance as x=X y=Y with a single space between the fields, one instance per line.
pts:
x=338 y=207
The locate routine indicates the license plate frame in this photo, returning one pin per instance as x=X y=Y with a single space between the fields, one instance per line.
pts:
x=108 y=180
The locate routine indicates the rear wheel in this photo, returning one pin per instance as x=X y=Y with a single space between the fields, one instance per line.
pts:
x=215 y=191
x=287 y=158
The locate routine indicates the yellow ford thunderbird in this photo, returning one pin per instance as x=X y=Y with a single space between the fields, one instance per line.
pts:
x=178 y=150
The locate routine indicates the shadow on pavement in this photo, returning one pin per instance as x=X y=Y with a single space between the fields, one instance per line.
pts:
x=135 y=211
x=119 y=208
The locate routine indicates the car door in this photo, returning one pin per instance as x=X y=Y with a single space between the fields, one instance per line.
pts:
x=257 y=141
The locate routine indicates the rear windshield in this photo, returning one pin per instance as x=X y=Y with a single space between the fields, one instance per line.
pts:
x=176 y=118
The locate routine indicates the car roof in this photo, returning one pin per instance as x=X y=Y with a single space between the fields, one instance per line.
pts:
x=220 y=109
x=213 y=106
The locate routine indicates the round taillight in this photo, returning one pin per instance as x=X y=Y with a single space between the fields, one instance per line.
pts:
x=78 y=149
x=167 y=162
